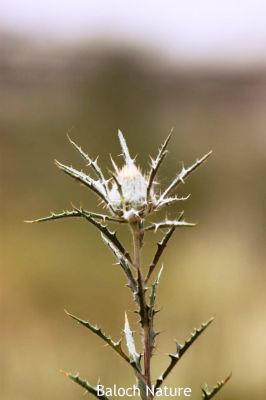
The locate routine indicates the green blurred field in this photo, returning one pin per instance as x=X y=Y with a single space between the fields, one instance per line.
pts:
x=218 y=268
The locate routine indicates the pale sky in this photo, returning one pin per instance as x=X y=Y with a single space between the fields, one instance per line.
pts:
x=193 y=29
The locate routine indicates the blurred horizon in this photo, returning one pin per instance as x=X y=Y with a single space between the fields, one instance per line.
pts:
x=212 y=34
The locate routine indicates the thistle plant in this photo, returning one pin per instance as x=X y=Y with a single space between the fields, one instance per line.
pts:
x=131 y=198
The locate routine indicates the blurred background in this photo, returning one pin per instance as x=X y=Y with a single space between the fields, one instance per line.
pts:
x=90 y=68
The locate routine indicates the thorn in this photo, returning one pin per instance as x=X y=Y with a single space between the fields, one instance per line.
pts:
x=69 y=131
x=114 y=165
x=64 y=372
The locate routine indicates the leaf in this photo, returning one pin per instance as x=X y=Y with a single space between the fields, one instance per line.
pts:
x=135 y=358
x=168 y=224
x=90 y=163
x=143 y=310
x=123 y=262
x=75 y=213
x=185 y=172
x=83 y=383
x=125 y=151
x=207 y=395
x=155 y=164
x=107 y=233
x=160 y=249
x=96 y=186
x=116 y=346
x=133 y=354
x=180 y=350
x=151 y=309
x=169 y=200
x=154 y=292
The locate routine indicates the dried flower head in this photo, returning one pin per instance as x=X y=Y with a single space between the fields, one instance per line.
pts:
x=128 y=194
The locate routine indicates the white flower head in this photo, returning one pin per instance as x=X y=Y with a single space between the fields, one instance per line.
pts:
x=133 y=189
x=128 y=194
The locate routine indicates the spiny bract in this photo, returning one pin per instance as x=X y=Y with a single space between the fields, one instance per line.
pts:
x=128 y=194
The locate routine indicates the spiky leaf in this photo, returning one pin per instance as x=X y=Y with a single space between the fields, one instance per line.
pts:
x=135 y=358
x=106 y=232
x=152 y=311
x=133 y=354
x=96 y=186
x=160 y=249
x=168 y=224
x=155 y=164
x=154 y=292
x=83 y=383
x=209 y=394
x=122 y=260
x=90 y=163
x=75 y=213
x=125 y=151
x=180 y=350
x=116 y=346
x=169 y=200
x=185 y=172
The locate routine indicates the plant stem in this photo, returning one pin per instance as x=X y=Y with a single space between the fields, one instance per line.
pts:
x=145 y=318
